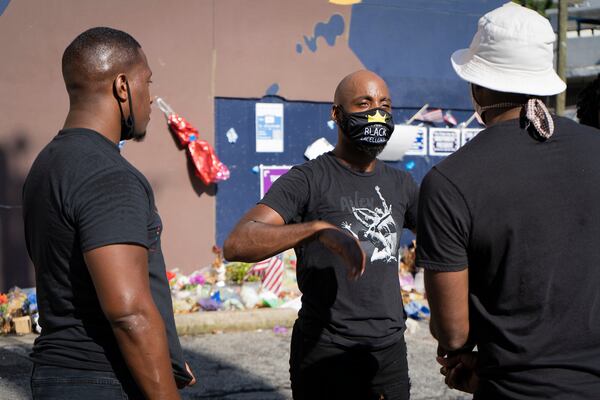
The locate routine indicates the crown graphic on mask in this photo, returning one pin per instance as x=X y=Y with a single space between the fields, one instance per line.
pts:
x=377 y=117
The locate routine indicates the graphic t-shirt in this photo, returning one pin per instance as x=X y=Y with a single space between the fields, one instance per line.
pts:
x=80 y=194
x=524 y=216
x=373 y=207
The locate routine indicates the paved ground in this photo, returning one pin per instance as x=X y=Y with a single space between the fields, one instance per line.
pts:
x=244 y=365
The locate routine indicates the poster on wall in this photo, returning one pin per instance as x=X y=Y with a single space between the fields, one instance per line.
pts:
x=419 y=146
x=269 y=128
x=443 y=141
x=467 y=134
x=269 y=174
x=403 y=140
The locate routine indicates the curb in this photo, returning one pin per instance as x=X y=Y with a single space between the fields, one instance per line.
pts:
x=231 y=321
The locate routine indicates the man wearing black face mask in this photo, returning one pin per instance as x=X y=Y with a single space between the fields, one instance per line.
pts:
x=93 y=234
x=369 y=130
x=343 y=213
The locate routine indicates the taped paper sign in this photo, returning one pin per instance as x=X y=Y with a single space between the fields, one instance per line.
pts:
x=269 y=128
x=419 y=146
x=406 y=140
x=467 y=134
x=443 y=141
x=318 y=147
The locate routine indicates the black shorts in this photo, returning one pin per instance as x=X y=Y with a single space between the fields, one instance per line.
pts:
x=320 y=370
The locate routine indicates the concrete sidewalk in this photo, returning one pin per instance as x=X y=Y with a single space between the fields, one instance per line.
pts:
x=230 y=321
x=202 y=322
x=248 y=365
x=217 y=322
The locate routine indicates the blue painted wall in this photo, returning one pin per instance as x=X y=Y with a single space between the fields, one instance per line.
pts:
x=409 y=43
x=3 y=5
x=304 y=122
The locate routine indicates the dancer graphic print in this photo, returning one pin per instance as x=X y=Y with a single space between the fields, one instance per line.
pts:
x=378 y=227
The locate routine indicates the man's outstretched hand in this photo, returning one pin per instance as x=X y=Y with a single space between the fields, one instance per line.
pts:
x=347 y=247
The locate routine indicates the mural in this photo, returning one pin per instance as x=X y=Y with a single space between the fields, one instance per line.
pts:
x=408 y=43
x=3 y=5
x=344 y=2
x=329 y=31
x=272 y=90
x=213 y=61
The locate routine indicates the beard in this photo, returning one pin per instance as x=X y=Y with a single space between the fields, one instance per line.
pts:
x=370 y=150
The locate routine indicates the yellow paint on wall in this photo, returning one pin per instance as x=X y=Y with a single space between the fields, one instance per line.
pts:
x=345 y=2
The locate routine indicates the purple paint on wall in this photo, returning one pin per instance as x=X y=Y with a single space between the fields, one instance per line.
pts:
x=269 y=174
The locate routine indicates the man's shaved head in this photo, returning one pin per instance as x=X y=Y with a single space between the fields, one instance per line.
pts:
x=107 y=73
x=355 y=84
x=98 y=55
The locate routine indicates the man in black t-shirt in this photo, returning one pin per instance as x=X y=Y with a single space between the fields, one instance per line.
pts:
x=588 y=104
x=508 y=228
x=343 y=213
x=93 y=233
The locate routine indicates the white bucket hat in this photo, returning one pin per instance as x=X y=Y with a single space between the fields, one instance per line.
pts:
x=512 y=52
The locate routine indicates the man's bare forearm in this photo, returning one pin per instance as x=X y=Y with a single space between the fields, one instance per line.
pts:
x=262 y=233
x=253 y=241
x=447 y=293
x=120 y=276
x=143 y=343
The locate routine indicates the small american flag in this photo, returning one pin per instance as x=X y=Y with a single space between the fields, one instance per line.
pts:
x=435 y=116
x=449 y=119
x=271 y=273
x=479 y=120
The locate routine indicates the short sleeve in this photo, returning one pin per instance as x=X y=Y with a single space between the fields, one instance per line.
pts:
x=289 y=195
x=444 y=221
x=410 y=216
x=112 y=207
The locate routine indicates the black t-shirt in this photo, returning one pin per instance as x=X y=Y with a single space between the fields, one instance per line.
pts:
x=80 y=195
x=374 y=207
x=524 y=216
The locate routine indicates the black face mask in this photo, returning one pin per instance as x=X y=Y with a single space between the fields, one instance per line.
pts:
x=373 y=127
x=127 y=125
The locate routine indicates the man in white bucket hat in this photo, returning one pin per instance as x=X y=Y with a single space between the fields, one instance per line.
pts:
x=508 y=228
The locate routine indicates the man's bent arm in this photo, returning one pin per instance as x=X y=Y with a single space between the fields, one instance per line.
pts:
x=262 y=233
x=448 y=296
x=120 y=276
